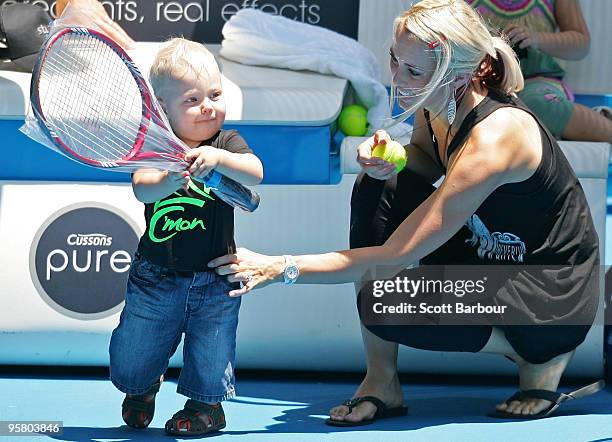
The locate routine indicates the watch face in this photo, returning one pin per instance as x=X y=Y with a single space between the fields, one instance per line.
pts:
x=292 y=272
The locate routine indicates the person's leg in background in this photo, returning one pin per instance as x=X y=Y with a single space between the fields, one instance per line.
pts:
x=587 y=124
x=550 y=100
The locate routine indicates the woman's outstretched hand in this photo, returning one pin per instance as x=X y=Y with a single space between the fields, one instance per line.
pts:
x=89 y=13
x=252 y=270
x=375 y=167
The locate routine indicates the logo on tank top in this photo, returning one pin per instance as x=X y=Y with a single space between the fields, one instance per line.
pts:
x=496 y=245
x=167 y=221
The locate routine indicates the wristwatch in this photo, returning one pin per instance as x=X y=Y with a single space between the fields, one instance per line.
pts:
x=292 y=271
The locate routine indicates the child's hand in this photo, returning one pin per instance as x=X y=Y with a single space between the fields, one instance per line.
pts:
x=180 y=179
x=203 y=159
x=522 y=37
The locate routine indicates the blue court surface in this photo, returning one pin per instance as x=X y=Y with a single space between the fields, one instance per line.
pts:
x=278 y=408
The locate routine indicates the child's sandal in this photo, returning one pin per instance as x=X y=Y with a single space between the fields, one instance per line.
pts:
x=138 y=413
x=196 y=419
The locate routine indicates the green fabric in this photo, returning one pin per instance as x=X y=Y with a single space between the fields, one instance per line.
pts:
x=549 y=101
x=538 y=63
x=537 y=16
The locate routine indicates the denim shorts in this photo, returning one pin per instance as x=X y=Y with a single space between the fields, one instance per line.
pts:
x=160 y=306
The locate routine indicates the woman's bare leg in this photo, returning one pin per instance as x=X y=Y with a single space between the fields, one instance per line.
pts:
x=531 y=376
x=381 y=379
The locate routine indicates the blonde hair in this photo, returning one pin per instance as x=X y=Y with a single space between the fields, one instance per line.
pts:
x=462 y=46
x=177 y=58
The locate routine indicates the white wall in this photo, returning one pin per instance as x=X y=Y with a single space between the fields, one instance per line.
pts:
x=594 y=74
x=591 y=75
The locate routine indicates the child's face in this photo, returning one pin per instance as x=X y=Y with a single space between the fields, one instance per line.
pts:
x=195 y=107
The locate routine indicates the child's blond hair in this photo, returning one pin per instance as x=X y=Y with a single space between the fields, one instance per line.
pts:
x=177 y=58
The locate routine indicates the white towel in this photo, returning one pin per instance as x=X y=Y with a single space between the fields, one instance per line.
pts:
x=257 y=38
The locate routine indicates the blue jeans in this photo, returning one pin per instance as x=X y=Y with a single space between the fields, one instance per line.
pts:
x=161 y=305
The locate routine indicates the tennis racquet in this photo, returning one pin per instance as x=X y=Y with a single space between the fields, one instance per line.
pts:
x=91 y=101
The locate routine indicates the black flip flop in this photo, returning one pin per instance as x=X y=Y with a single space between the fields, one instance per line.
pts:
x=554 y=397
x=382 y=412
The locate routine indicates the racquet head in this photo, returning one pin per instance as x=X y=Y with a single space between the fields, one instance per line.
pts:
x=94 y=104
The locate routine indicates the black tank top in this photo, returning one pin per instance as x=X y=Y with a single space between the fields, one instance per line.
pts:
x=540 y=221
x=538 y=234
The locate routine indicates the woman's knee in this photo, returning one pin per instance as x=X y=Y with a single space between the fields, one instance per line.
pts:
x=378 y=207
x=368 y=211
x=538 y=344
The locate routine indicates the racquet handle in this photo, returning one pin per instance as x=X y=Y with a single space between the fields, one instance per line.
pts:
x=233 y=193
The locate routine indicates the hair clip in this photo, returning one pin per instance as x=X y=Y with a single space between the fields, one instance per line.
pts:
x=434 y=44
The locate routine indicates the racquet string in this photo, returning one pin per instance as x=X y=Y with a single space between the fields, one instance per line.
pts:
x=90 y=98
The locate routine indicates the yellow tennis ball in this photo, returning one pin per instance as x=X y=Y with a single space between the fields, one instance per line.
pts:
x=393 y=152
x=353 y=120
